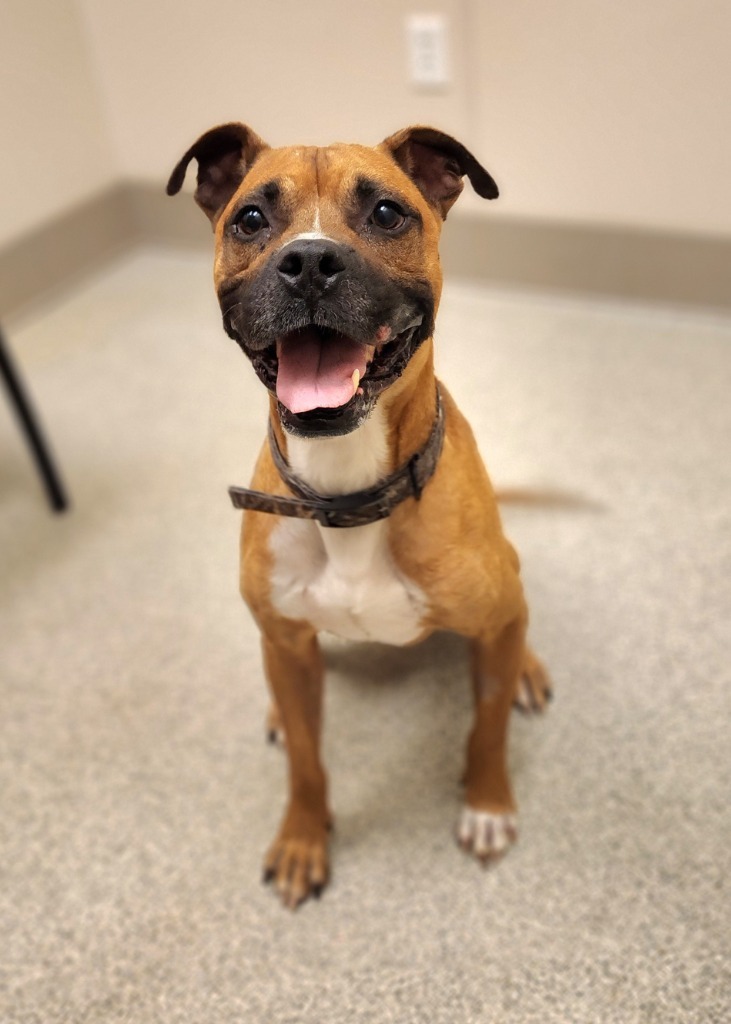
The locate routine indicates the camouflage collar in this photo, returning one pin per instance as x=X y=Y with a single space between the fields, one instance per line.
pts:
x=357 y=508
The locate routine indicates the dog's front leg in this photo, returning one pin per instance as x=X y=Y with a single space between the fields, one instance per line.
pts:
x=488 y=824
x=297 y=860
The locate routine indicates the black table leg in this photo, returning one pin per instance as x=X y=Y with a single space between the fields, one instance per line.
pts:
x=31 y=428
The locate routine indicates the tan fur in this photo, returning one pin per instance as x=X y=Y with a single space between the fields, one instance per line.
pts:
x=450 y=543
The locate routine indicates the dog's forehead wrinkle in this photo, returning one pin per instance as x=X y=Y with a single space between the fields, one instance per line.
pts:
x=318 y=184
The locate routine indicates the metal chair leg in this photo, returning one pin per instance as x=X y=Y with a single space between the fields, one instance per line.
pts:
x=29 y=423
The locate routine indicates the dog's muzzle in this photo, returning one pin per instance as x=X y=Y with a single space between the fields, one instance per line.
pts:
x=326 y=332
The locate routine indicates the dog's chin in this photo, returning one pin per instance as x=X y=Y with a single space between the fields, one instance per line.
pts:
x=328 y=422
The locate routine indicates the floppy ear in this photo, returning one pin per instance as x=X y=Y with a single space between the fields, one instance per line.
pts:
x=224 y=155
x=436 y=163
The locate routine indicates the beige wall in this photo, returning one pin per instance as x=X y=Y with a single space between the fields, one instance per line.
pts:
x=295 y=70
x=585 y=111
x=614 y=112
x=55 y=150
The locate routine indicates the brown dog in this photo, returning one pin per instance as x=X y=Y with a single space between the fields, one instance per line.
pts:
x=385 y=526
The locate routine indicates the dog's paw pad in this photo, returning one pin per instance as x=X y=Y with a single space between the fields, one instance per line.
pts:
x=485 y=834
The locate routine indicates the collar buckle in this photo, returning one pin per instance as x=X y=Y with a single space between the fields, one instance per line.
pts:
x=328 y=517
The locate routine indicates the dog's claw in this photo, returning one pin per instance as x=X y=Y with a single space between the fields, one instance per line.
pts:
x=274 y=727
x=297 y=864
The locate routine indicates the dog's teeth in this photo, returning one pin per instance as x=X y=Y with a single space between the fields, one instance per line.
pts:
x=356 y=379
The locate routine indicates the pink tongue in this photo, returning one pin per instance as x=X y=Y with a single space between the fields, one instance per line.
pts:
x=316 y=372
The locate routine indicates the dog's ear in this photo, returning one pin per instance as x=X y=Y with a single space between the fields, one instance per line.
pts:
x=436 y=163
x=224 y=155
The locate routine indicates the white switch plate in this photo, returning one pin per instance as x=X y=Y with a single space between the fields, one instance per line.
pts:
x=426 y=37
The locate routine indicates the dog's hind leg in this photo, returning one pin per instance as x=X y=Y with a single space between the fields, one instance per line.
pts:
x=534 y=688
x=297 y=861
x=488 y=824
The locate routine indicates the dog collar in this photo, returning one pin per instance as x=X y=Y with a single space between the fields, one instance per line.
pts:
x=357 y=508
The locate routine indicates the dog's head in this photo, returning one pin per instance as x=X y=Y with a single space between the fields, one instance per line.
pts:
x=327 y=266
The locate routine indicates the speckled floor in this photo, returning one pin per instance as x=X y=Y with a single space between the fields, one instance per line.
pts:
x=138 y=793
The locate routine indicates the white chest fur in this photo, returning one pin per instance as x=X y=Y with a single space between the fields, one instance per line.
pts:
x=343 y=581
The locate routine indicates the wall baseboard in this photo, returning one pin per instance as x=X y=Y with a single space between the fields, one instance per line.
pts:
x=631 y=264
x=64 y=250
x=645 y=266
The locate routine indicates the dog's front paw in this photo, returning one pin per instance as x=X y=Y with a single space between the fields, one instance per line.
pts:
x=297 y=861
x=485 y=834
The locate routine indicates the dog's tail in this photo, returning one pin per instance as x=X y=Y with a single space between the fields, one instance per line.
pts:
x=546 y=497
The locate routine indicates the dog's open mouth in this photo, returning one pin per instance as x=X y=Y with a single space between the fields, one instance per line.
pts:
x=318 y=371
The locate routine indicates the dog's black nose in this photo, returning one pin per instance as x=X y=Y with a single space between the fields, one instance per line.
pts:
x=311 y=265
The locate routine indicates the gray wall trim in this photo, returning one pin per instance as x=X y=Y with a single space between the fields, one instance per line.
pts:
x=65 y=249
x=647 y=266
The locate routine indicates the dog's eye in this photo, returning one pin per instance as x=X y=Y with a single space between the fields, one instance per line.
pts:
x=250 y=220
x=388 y=216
